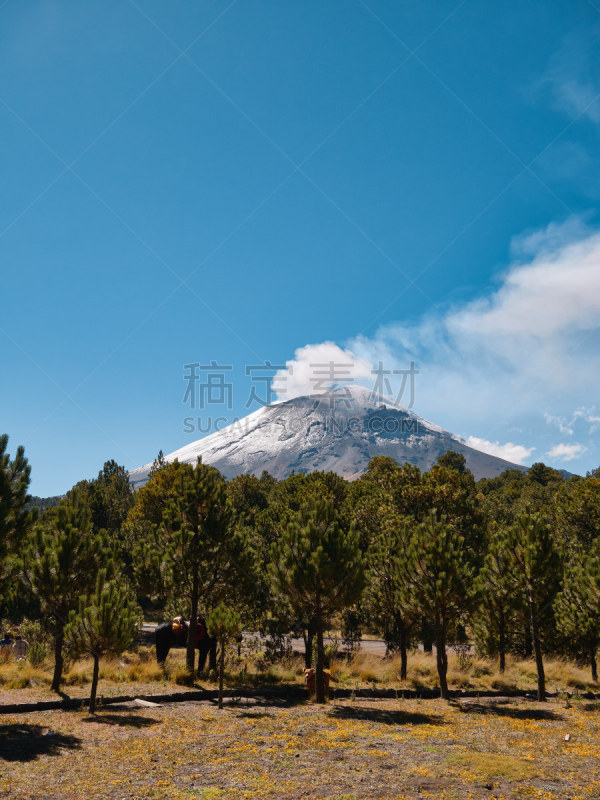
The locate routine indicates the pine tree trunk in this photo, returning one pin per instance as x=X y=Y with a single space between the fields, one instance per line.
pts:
x=441 y=656
x=537 y=649
x=320 y=678
x=502 y=643
x=403 y=652
x=94 y=683
x=59 y=661
x=221 y=672
x=309 y=636
x=427 y=635
x=593 y=664
x=191 y=637
x=528 y=640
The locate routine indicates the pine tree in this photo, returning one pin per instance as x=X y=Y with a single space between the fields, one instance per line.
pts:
x=440 y=581
x=106 y=623
x=15 y=519
x=59 y=565
x=198 y=522
x=225 y=625
x=388 y=583
x=497 y=609
x=533 y=572
x=159 y=463
x=319 y=569
x=577 y=614
x=145 y=535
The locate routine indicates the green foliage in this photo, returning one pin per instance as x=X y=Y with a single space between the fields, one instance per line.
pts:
x=292 y=555
x=578 y=513
x=15 y=519
x=198 y=527
x=388 y=584
x=498 y=611
x=533 y=570
x=225 y=624
x=577 y=606
x=105 y=624
x=108 y=498
x=59 y=565
x=318 y=568
x=440 y=580
x=453 y=460
x=316 y=565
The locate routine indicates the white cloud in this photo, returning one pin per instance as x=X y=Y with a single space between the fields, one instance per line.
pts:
x=567 y=426
x=594 y=423
x=529 y=347
x=317 y=367
x=572 y=76
x=505 y=354
x=516 y=453
x=566 y=452
x=560 y=423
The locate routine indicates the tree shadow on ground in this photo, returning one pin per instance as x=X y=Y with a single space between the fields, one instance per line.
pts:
x=595 y=706
x=259 y=702
x=122 y=720
x=385 y=716
x=253 y=714
x=508 y=711
x=20 y=741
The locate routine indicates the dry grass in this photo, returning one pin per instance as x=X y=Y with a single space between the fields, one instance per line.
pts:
x=138 y=668
x=476 y=673
x=22 y=675
x=362 y=750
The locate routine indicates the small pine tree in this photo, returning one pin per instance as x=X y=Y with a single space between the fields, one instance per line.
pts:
x=158 y=464
x=225 y=625
x=319 y=569
x=440 y=581
x=59 y=565
x=106 y=623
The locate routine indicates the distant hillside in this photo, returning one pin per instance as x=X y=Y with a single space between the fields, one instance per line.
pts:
x=44 y=502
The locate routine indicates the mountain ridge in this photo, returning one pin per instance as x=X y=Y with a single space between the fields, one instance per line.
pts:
x=339 y=430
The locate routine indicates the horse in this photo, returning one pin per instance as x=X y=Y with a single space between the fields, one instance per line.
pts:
x=166 y=639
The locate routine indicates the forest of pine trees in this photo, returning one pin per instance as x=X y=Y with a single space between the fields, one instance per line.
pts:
x=511 y=564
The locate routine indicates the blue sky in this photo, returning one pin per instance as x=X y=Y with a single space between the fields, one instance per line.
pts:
x=239 y=181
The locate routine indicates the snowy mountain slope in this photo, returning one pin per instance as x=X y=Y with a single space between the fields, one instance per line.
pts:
x=339 y=431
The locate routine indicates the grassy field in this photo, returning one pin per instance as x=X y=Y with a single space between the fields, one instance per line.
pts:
x=345 y=750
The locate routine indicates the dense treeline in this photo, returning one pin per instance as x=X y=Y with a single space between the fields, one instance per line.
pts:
x=511 y=563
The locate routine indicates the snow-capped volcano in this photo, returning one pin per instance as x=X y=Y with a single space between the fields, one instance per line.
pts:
x=338 y=431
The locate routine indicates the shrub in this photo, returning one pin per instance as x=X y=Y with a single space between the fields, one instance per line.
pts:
x=37 y=653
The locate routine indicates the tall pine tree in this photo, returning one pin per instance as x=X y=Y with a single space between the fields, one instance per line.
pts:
x=533 y=571
x=440 y=578
x=198 y=523
x=15 y=519
x=577 y=610
x=319 y=569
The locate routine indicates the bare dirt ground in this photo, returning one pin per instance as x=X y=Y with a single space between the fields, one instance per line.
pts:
x=346 y=750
